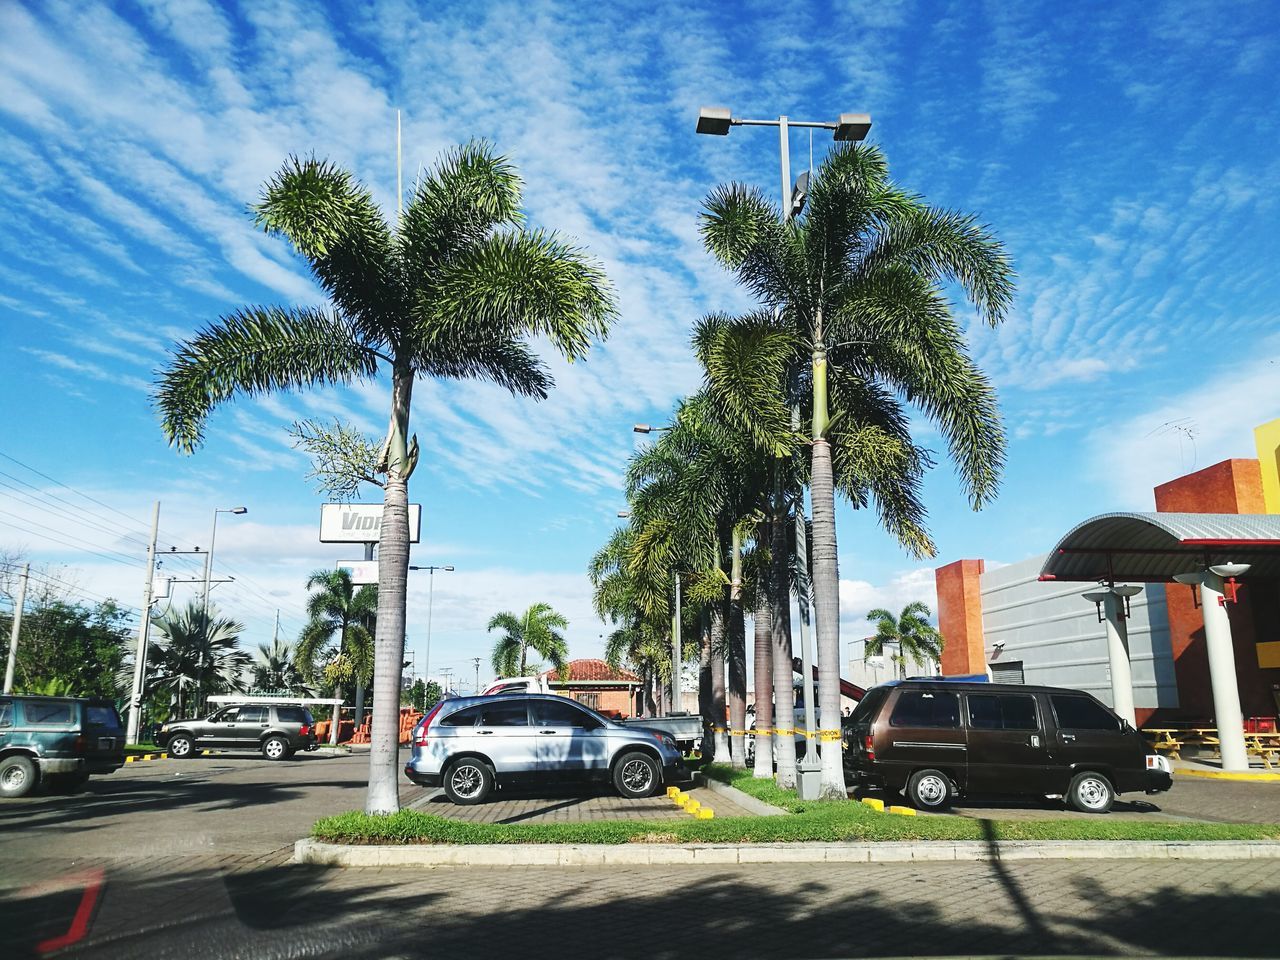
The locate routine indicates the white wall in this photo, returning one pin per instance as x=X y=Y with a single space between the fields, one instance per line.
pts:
x=1055 y=632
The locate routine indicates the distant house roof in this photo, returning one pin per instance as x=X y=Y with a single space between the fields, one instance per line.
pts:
x=591 y=671
x=1156 y=546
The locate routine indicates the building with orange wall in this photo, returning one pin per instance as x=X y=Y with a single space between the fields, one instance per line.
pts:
x=1005 y=620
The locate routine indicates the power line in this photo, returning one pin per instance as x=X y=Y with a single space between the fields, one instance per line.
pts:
x=83 y=545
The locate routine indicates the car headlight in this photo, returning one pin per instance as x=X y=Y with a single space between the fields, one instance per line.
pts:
x=164 y=728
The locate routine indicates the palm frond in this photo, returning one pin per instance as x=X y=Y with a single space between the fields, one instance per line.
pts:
x=252 y=351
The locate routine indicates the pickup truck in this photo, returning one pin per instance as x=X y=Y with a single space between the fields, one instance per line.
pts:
x=684 y=728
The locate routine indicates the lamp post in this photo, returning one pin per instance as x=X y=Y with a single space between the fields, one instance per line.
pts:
x=208 y=557
x=718 y=121
x=431 y=589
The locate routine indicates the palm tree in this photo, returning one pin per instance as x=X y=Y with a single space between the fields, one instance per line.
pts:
x=275 y=667
x=911 y=632
x=454 y=290
x=196 y=653
x=537 y=629
x=636 y=646
x=337 y=641
x=856 y=323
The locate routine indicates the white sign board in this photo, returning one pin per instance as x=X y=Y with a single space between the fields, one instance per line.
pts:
x=363 y=572
x=361 y=522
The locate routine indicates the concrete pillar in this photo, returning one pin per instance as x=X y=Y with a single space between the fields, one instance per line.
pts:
x=1222 y=673
x=1118 y=657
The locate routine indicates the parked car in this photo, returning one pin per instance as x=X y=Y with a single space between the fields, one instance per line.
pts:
x=56 y=739
x=278 y=731
x=516 y=685
x=934 y=741
x=471 y=745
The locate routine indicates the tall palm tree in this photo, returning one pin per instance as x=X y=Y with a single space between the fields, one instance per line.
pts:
x=275 y=667
x=635 y=645
x=196 y=653
x=856 y=323
x=911 y=632
x=337 y=641
x=454 y=290
x=537 y=629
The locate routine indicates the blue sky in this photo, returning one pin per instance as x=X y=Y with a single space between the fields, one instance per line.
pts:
x=1125 y=152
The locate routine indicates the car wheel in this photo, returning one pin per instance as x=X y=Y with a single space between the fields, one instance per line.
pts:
x=929 y=790
x=1091 y=793
x=468 y=781
x=275 y=748
x=18 y=776
x=181 y=746
x=635 y=775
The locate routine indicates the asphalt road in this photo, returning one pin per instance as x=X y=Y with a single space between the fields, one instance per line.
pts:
x=189 y=859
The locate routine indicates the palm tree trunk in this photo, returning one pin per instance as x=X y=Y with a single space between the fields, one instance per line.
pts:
x=763 y=766
x=704 y=682
x=826 y=587
x=737 y=629
x=784 y=703
x=720 y=733
x=393 y=573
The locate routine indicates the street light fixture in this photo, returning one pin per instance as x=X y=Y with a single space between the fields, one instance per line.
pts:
x=208 y=557
x=431 y=589
x=717 y=121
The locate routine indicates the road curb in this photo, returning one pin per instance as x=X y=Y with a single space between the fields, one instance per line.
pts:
x=665 y=854
x=744 y=800
x=1224 y=775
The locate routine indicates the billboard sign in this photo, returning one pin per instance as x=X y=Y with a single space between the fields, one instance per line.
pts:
x=361 y=522
x=363 y=572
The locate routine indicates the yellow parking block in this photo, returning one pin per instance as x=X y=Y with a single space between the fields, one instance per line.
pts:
x=693 y=806
x=874 y=804
x=680 y=797
x=706 y=813
x=671 y=792
x=903 y=811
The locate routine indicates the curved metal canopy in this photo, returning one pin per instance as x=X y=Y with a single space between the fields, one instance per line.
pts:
x=1153 y=547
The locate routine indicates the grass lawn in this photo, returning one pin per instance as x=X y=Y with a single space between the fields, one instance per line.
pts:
x=822 y=820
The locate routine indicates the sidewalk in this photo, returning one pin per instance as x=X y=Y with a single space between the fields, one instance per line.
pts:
x=1212 y=768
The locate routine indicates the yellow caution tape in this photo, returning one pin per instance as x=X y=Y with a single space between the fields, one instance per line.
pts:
x=828 y=735
x=763 y=732
x=784 y=731
x=874 y=804
x=737 y=733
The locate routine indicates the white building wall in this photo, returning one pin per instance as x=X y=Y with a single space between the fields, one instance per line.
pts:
x=1055 y=632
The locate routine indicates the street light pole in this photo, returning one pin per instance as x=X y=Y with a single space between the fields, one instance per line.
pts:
x=18 y=603
x=431 y=589
x=677 y=693
x=717 y=121
x=208 y=557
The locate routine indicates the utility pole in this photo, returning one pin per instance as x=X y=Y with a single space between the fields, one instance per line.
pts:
x=144 y=628
x=17 y=625
x=447 y=675
x=476 y=661
x=677 y=694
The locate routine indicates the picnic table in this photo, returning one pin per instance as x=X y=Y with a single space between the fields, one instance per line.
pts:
x=1171 y=740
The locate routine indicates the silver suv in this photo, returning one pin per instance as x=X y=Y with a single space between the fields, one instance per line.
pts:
x=470 y=744
x=277 y=730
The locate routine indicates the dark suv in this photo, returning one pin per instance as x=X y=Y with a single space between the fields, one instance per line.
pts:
x=56 y=739
x=934 y=740
x=277 y=730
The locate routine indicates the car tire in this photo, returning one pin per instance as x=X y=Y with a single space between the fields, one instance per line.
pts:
x=930 y=790
x=1090 y=793
x=18 y=776
x=468 y=781
x=181 y=747
x=636 y=775
x=275 y=748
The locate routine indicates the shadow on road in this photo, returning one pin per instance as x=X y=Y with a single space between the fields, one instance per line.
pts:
x=297 y=911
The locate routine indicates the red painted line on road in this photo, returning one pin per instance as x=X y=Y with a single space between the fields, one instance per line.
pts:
x=93 y=880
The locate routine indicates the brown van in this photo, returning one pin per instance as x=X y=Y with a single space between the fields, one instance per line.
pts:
x=936 y=740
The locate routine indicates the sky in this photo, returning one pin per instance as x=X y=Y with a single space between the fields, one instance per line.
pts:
x=1124 y=152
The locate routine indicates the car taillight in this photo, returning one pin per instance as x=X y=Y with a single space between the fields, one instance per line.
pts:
x=867 y=746
x=304 y=730
x=420 y=731
x=80 y=744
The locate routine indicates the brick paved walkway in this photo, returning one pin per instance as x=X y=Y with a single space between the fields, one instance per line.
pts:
x=215 y=908
x=573 y=805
